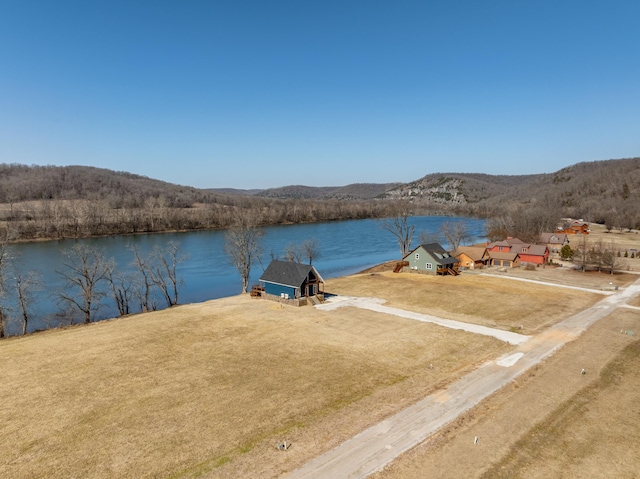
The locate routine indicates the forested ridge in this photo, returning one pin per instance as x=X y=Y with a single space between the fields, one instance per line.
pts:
x=51 y=202
x=78 y=201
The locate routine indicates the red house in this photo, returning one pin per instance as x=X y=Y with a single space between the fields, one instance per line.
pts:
x=527 y=253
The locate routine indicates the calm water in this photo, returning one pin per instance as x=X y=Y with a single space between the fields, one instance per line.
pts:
x=345 y=247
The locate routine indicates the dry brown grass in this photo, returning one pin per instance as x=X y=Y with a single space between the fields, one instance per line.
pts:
x=207 y=389
x=634 y=302
x=210 y=388
x=550 y=422
x=585 y=436
x=495 y=302
x=620 y=240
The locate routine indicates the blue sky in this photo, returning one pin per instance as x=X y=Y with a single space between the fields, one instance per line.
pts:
x=258 y=94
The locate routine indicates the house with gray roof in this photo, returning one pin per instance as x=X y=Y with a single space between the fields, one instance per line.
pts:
x=432 y=258
x=292 y=281
x=554 y=241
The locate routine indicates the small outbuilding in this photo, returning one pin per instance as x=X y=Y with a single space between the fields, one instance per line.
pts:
x=290 y=281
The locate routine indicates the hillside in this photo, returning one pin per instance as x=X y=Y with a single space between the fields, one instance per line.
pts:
x=27 y=183
x=51 y=201
x=362 y=191
x=599 y=191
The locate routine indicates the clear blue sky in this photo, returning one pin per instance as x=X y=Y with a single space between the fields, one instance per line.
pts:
x=258 y=94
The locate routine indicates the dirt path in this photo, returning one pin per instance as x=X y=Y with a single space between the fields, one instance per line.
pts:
x=377 y=446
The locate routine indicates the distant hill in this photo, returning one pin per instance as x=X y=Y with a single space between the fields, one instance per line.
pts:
x=356 y=191
x=27 y=183
x=597 y=191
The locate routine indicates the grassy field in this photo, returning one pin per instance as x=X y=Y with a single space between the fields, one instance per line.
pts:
x=502 y=303
x=208 y=389
x=212 y=387
x=619 y=241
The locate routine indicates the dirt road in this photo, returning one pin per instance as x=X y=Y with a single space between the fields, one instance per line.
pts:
x=377 y=446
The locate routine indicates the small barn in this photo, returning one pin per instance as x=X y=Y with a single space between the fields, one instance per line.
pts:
x=292 y=281
x=432 y=258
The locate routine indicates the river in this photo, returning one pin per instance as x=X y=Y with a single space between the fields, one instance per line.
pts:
x=345 y=247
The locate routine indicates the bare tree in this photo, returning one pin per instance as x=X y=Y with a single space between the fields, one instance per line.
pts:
x=399 y=227
x=84 y=269
x=598 y=255
x=499 y=227
x=164 y=272
x=291 y=253
x=610 y=258
x=455 y=233
x=4 y=262
x=310 y=249
x=242 y=245
x=122 y=290
x=526 y=224
x=581 y=253
x=26 y=286
x=427 y=237
x=143 y=287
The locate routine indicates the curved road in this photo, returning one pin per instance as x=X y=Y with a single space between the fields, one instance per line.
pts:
x=377 y=446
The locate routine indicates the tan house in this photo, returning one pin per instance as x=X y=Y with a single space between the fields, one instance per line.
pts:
x=554 y=241
x=506 y=259
x=472 y=257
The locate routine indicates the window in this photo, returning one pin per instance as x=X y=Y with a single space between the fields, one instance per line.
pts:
x=428 y=266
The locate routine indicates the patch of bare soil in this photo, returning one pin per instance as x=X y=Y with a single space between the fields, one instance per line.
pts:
x=551 y=422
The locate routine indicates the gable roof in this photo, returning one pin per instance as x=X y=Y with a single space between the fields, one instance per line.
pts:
x=553 y=238
x=437 y=252
x=475 y=253
x=514 y=241
x=502 y=243
x=288 y=273
x=503 y=255
x=537 y=250
x=507 y=243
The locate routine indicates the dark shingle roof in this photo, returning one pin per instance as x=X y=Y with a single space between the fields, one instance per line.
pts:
x=438 y=253
x=287 y=273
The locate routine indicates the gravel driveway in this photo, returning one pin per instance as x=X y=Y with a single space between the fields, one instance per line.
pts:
x=377 y=446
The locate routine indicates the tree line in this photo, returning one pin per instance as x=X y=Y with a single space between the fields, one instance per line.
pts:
x=51 y=202
x=81 y=218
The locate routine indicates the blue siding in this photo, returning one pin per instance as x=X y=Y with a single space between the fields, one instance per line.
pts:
x=278 y=289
